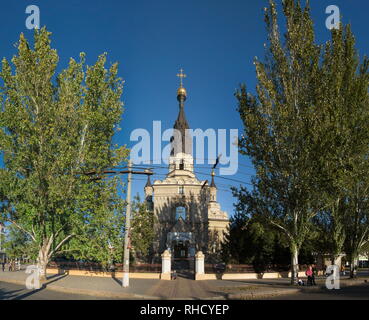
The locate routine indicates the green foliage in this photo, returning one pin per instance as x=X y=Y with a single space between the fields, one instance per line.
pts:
x=17 y=244
x=101 y=238
x=343 y=138
x=251 y=240
x=142 y=231
x=55 y=130
x=306 y=132
x=280 y=125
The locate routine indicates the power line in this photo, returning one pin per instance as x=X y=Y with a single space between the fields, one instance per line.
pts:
x=161 y=167
x=208 y=174
x=202 y=159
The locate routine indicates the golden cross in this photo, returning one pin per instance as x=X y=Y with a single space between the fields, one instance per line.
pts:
x=181 y=75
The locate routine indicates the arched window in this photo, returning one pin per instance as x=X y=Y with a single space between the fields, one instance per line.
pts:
x=181 y=213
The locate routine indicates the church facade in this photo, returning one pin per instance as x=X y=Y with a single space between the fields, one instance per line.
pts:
x=188 y=217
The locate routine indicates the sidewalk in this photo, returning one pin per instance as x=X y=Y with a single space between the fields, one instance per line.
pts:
x=94 y=286
x=181 y=288
x=145 y=288
x=259 y=289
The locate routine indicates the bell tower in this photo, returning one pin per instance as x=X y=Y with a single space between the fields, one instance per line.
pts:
x=188 y=217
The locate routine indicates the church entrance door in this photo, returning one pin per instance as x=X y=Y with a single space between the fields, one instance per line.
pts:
x=180 y=250
x=182 y=261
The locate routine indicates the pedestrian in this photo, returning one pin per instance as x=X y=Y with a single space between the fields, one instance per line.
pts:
x=300 y=282
x=314 y=274
x=325 y=270
x=18 y=265
x=309 y=274
x=174 y=276
x=3 y=265
x=343 y=269
x=10 y=266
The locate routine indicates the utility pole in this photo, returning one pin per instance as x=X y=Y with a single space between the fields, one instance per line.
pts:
x=125 y=281
x=1 y=237
x=96 y=176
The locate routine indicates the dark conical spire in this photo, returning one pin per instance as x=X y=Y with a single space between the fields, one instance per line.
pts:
x=181 y=124
x=212 y=185
x=148 y=183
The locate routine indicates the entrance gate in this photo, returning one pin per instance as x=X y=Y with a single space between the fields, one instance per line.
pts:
x=181 y=246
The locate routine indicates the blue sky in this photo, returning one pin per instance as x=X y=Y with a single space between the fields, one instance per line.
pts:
x=214 y=41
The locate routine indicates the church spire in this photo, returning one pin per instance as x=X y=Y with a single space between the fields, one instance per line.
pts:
x=183 y=142
x=212 y=185
x=148 y=183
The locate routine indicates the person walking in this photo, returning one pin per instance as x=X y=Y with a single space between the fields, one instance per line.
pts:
x=10 y=266
x=309 y=274
x=174 y=276
x=314 y=274
x=17 y=265
x=3 y=265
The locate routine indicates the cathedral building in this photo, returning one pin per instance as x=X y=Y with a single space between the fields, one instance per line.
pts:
x=188 y=217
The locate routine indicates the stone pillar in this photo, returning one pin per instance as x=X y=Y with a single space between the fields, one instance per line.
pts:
x=200 y=266
x=166 y=268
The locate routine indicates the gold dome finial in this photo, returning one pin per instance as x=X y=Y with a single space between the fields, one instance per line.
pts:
x=181 y=91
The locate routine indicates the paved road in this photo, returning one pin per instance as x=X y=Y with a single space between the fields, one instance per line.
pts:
x=182 y=288
x=185 y=288
x=9 y=291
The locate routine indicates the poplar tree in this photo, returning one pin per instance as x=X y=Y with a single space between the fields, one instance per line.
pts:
x=343 y=142
x=279 y=126
x=56 y=129
x=307 y=134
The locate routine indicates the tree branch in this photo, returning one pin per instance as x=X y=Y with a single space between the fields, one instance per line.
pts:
x=22 y=229
x=60 y=245
x=282 y=228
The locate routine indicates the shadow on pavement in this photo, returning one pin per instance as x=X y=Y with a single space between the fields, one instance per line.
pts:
x=120 y=282
x=56 y=278
x=9 y=295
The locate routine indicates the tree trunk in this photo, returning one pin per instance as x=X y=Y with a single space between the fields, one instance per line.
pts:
x=294 y=264
x=352 y=266
x=43 y=260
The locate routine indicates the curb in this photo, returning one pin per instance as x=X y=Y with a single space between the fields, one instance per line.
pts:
x=261 y=295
